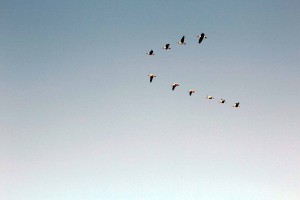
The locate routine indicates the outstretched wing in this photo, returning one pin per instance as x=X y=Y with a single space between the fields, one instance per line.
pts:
x=182 y=40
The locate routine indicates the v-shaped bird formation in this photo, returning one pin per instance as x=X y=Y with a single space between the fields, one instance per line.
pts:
x=201 y=37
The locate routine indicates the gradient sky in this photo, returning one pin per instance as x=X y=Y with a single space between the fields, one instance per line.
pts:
x=80 y=120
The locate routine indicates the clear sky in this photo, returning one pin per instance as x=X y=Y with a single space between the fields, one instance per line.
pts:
x=80 y=120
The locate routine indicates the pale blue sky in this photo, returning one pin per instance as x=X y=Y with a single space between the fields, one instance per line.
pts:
x=80 y=120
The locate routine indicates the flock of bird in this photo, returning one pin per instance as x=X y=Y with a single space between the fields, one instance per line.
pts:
x=201 y=37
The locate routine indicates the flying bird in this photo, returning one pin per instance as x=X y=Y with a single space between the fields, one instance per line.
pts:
x=174 y=85
x=151 y=53
x=236 y=105
x=151 y=77
x=166 y=47
x=182 y=41
x=201 y=37
x=222 y=101
x=191 y=92
x=210 y=97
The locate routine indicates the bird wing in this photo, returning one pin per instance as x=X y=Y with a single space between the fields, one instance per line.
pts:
x=167 y=46
x=182 y=40
x=151 y=52
x=173 y=87
x=151 y=78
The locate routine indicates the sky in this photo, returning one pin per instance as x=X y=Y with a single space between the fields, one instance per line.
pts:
x=80 y=120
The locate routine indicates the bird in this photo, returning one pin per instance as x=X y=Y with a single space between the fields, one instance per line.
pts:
x=191 y=92
x=210 y=97
x=182 y=41
x=151 y=53
x=236 y=105
x=222 y=101
x=201 y=37
x=166 y=47
x=174 y=85
x=151 y=77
